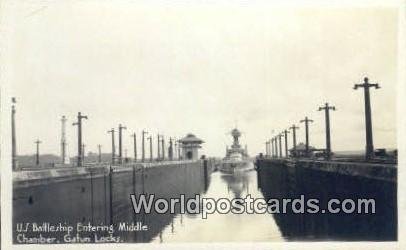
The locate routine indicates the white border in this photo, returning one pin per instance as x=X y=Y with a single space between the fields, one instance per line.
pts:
x=6 y=180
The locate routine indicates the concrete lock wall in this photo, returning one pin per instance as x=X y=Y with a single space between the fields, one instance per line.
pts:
x=281 y=179
x=101 y=197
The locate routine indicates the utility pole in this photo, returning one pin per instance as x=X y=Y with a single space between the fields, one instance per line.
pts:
x=327 y=109
x=275 y=141
x=37 y=154
x=163 y=148
x=275 y=149
x=135 y=146
x=158 y=147
x=63 y=140
x=83 y=152
x=99 y=147
x=266 y=148
x=79 y=124
x=269 y=148
x=170 y=153
x=113 y=146
x=286 y=142
x=13 y=135
x=150 y=148
x=143 y=145
x=179 y=146
x=120 y=143
x=306 y=121
x=276 y=146
x=369 y=149
x=176 y=148
x=280 y=144
x=293 y=128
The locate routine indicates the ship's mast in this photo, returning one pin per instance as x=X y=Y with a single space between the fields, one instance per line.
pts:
x=236 y=134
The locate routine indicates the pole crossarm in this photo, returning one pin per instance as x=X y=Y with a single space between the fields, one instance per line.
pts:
x=366 y=84
x=327 y=107
x=306 y=120
x=294 y=127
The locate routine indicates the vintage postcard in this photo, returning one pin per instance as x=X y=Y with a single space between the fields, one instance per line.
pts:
x=143 y=123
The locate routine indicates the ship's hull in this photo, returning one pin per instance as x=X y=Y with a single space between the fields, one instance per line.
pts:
x=231 y=167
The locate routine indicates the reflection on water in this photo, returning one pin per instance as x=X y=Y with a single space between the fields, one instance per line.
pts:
x=224 y=227
x=279 y=182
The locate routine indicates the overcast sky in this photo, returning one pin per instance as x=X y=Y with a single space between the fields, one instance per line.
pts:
x=198 y=68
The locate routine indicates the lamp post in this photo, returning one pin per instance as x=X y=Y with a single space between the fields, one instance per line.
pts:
x=37 y=142
x=307 y=121
x=150 y=148
x=113 y=146
x=80 y=117
x=99 y=148
x=163 y=148
x=293 y=128
x=63 y=140
x=158 y=147
x=143 y=145
x=280 y=144
x=135 y=146
x=327 y=109
x=285 y=132
x=275 y=139
x=13 y=135
x=120 y=143
x=369 y=148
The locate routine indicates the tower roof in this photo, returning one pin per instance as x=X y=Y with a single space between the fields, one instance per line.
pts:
x=190 y=138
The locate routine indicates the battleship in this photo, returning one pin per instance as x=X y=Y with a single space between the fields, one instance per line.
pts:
x=236 y=159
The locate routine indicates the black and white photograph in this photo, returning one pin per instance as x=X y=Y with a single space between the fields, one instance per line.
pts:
x=152 y=123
